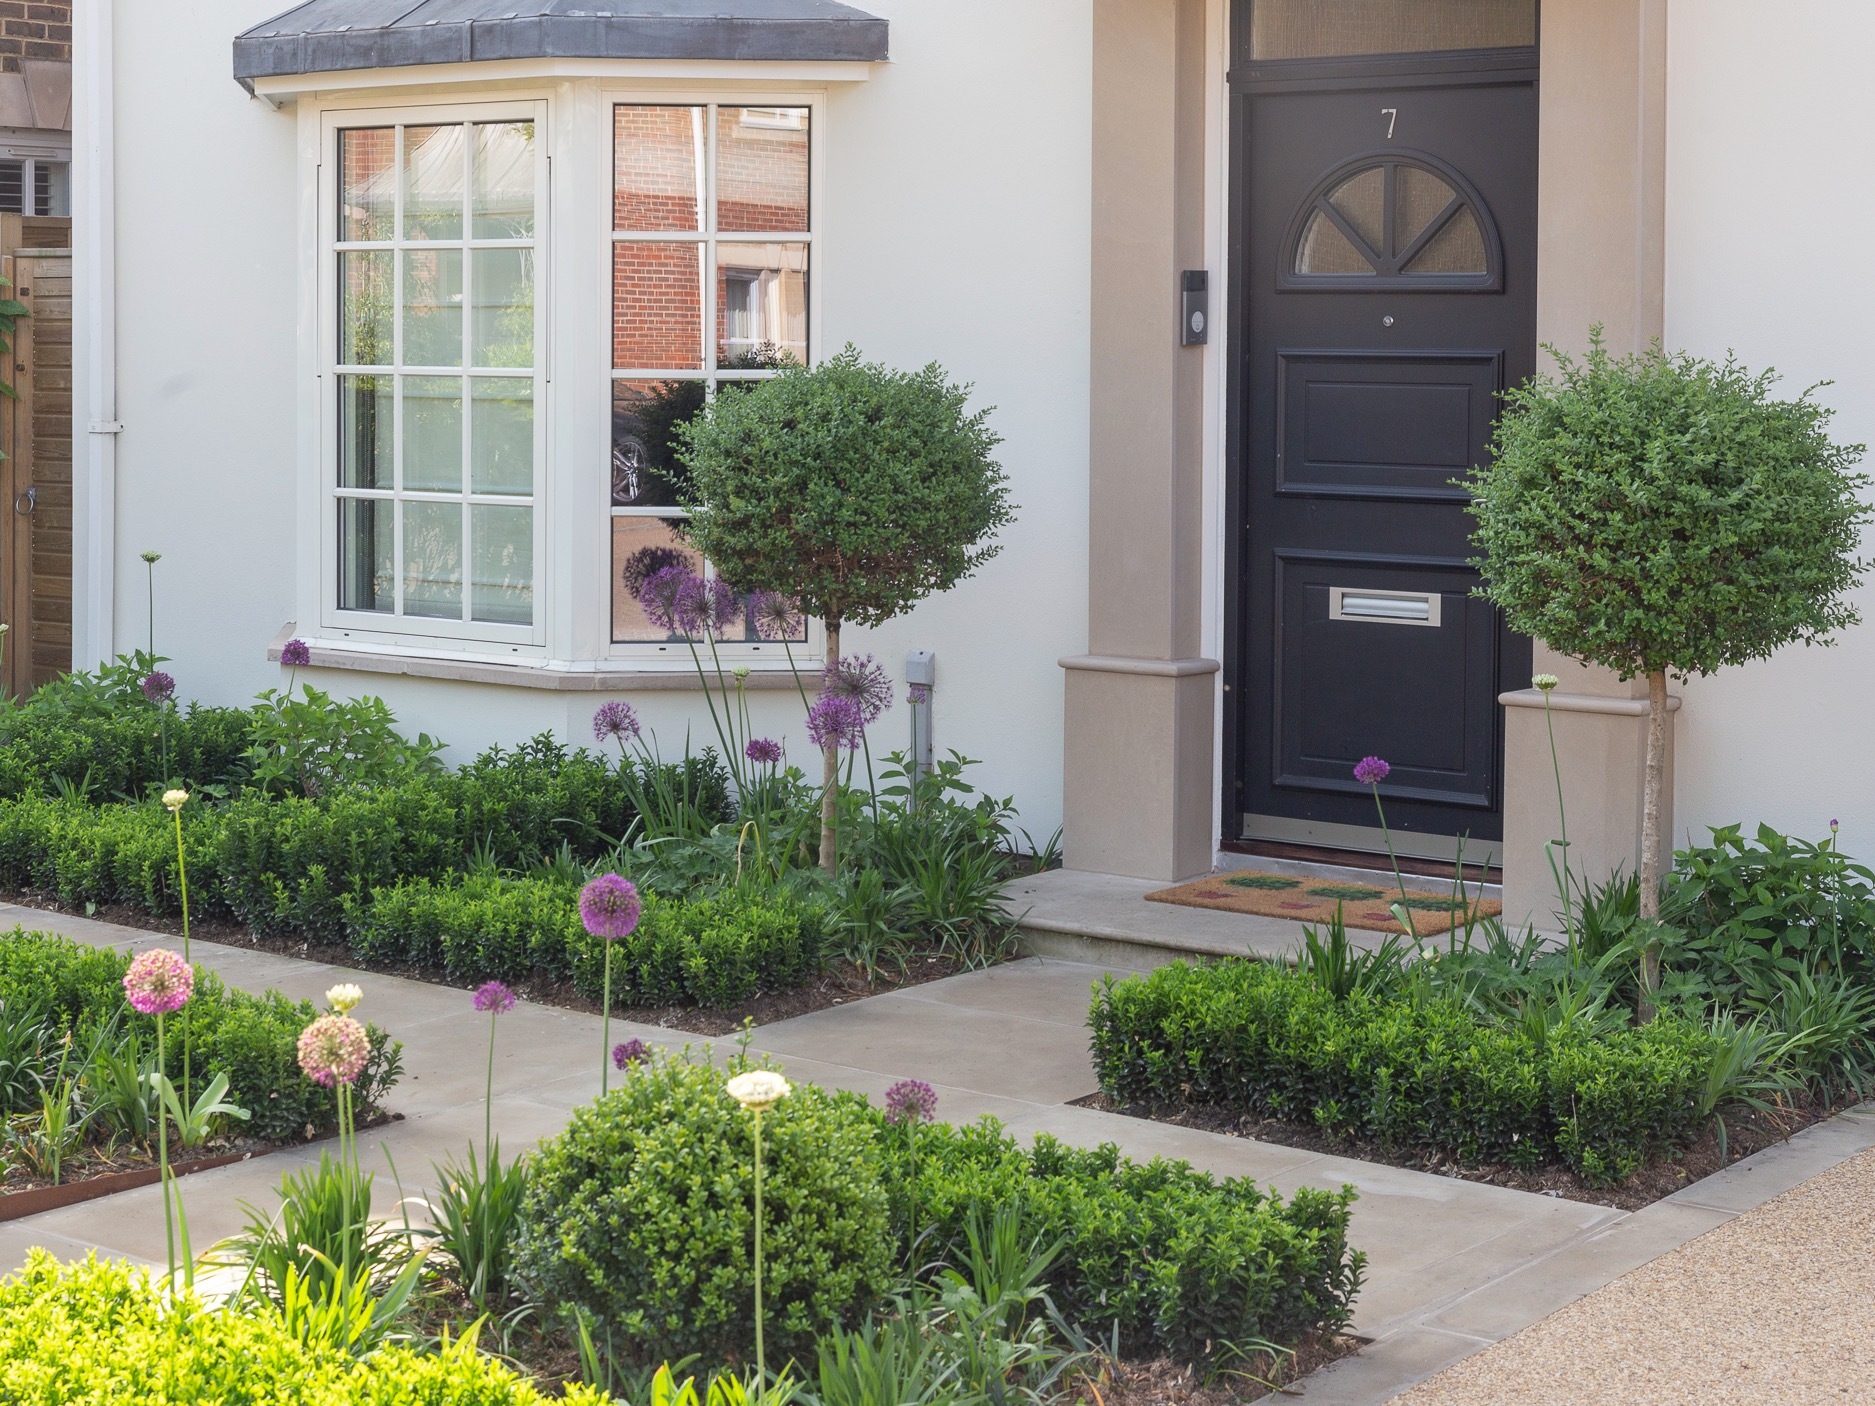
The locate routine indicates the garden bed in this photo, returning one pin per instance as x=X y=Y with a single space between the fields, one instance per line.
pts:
x=1746 y=1133
x=838 y=984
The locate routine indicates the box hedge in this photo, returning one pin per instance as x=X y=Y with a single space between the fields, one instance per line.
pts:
x=1410 y=1073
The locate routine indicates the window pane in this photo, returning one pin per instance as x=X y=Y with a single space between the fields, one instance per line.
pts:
x=366 y=422
x=503 y=329
x=432 y=307
x=365 y=308
x=502 y=543
x=433 y=433
x=645 y=416
x=367 y=195
x=501 y=435
x=365 y=546
x=761 y=169
x=657 y=306
x=640 y=545
x=657 y=155
x=433 y=560
x=761 y=309
x=504 y=180
x=433 y=177
x=1301 y=29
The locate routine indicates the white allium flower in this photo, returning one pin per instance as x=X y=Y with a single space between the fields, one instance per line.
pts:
x=759 y=1089
x=344 y=996
x=176 y=799
x=741 y=671
x=1545 y=682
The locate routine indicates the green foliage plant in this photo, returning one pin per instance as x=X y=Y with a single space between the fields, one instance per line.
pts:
x=639 y=1214
x=308 y=745
x=850 y=487
x=99 y=1331
x=1659 y=514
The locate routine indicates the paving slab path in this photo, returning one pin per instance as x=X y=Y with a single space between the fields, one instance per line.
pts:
x=1453 y=1266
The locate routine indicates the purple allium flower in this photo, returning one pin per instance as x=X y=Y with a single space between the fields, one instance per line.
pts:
x=776 y=616
x=862 y=679
x=835 y=721
x=609 y=907
x=493 y=996
x=1832 y=827
x=702 y=607
x=158 y=687
x=629 y=1053
x=910 y=1101
x=661 y=594
x=615 y=720
x=918 y=693
x=646 y=562
x=1371 y=771
x=295 y=653
x=158 y=982
x=763 y=750
x=333 y=1049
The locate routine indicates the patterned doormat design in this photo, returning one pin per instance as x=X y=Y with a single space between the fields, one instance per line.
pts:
x=1313 y=901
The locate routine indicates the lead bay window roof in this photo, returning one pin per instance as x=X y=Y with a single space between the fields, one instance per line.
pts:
x=328 y=36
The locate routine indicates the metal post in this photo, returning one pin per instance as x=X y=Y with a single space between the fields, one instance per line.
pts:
x=920 y=682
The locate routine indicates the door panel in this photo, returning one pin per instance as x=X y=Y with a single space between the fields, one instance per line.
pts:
x=1385 y=296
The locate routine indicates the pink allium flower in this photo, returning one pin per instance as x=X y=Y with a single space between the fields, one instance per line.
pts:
x=295 y=653
x=493 y=996
x=333 y=1050
x=158 y=982
x=910 y=1101
x=1371 y=771
x=835 y=721
x=763 y=751
x=609 y=907
x=629 y=1053
x=616 y=721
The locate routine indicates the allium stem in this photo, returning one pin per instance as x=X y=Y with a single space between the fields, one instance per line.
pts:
x=761 y=1361
x=605 y=1022
x=488 y=1092
x=182 y=883
x=1398 y=878
x=162 y=1149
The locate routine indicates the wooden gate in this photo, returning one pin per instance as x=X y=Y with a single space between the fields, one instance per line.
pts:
x=36 y=477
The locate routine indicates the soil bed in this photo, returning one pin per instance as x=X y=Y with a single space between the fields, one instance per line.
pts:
x=1664 y=1175
x=838 y=984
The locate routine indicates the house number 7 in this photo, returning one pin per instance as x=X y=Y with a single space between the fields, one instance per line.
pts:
x=1392 y=114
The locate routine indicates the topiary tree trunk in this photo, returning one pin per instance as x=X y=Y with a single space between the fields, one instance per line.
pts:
x=1653 y=789
x=830 y=769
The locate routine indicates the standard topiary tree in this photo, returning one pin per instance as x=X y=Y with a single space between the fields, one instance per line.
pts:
x=853 y=488
x=1662 y=514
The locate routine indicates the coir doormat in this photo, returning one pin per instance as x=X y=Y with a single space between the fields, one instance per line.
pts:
x=1307 y=900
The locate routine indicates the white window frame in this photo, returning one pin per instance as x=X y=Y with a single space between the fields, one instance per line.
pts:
x=659 y=656
x=374 y=627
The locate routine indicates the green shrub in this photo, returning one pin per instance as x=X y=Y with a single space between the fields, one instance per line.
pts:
x=715 y=951
x=1180 y=1263
x=640 y=1213
x=315 y=743
x=99 y=1332
x=122 y=754
x=1411 y=1072
x=252 y=1039
x=476 y=928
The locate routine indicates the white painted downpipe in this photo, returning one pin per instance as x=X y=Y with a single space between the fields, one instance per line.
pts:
x=94 y=241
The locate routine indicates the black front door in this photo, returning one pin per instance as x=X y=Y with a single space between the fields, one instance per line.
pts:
x=1384 y=291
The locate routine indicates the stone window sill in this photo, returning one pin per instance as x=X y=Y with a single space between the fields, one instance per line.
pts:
x=605 y=677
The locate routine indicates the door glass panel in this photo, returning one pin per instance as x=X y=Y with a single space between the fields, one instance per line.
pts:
x=1362 y=201
x=657 y=155
x=433 y=434
x=1458 y=248
x=501 y=540
x=761 y=305
x=1312 y=29
x=1418 y=197
x=1323 y=248
x=433 y=560
x=761 y=169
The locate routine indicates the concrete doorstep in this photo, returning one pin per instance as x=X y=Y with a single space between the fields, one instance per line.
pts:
x=1453 y=1265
